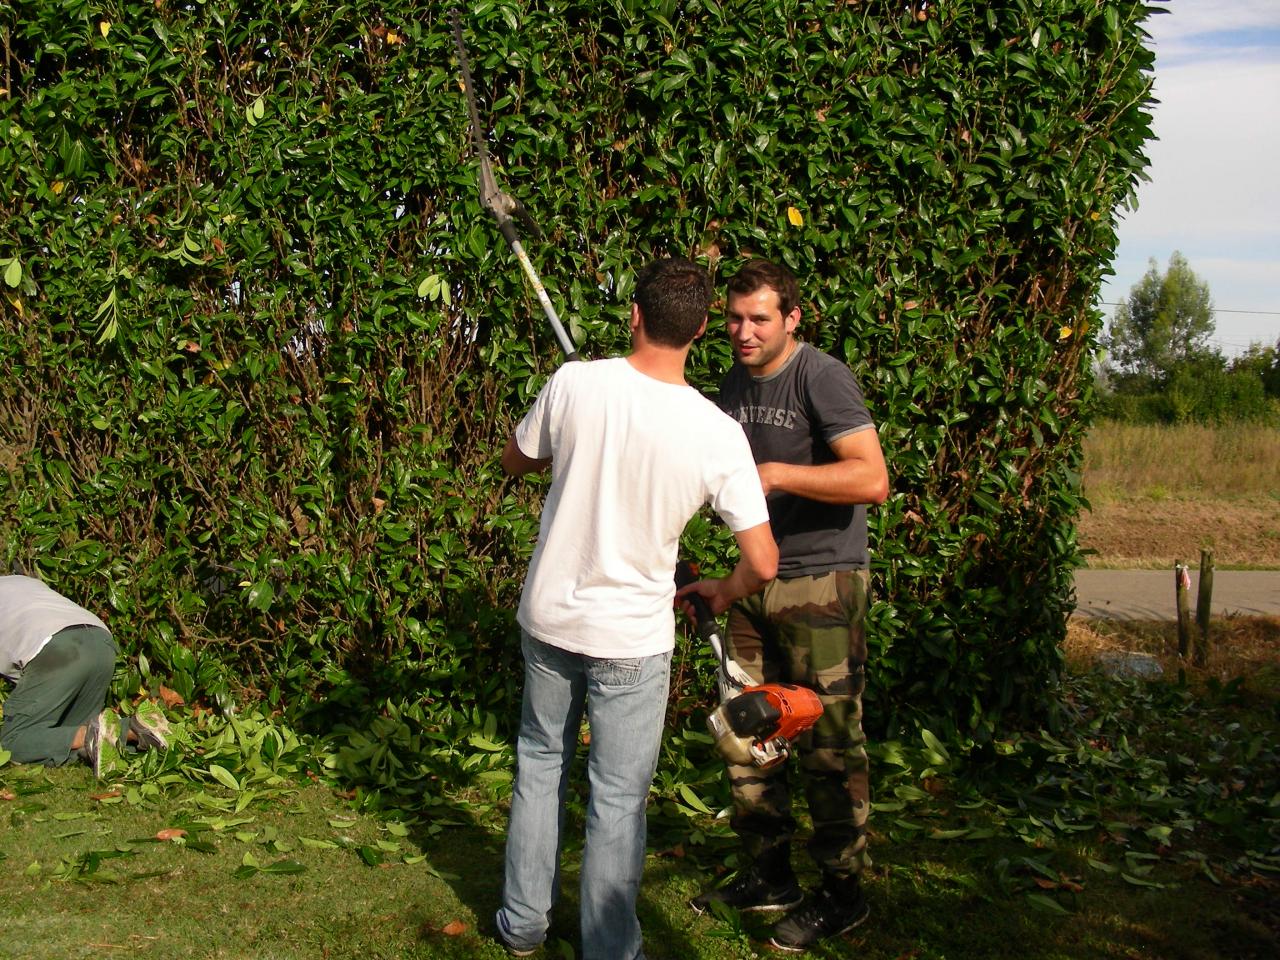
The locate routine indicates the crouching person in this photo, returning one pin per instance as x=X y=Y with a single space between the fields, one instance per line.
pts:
x=60 y=658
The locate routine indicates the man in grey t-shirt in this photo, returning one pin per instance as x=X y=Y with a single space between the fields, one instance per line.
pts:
x=820 y=463
x=60 y=658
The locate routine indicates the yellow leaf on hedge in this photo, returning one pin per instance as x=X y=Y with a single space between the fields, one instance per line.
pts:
x=1064 y=332
x=104 y=27
x=794 y=215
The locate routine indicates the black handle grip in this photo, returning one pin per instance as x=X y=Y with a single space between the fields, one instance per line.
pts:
x=687 y=573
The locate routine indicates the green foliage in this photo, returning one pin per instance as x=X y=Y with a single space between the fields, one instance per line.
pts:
x=1203 y=391
x=1160 y=368
x=1263 y=362
x=263 y=344
x=1162 y=772
x=1141 y=408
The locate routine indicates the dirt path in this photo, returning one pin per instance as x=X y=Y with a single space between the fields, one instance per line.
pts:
x=1149 y=533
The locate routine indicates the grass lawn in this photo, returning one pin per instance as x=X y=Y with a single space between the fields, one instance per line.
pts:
x=1145 y=827
x=930 y=898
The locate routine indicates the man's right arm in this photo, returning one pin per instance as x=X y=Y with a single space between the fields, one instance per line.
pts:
x=534 y=430
x=858 y=474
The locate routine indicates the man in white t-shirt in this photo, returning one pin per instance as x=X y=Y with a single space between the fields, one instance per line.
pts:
x=634 y=452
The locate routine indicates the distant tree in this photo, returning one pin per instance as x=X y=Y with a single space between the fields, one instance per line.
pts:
x=1263 y=362
x=1166 y=322
x=1204 y=390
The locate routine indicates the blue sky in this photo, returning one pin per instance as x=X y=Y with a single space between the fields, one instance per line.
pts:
x=1214 y=192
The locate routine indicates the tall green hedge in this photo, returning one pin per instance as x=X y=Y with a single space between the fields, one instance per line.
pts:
x=261 y=345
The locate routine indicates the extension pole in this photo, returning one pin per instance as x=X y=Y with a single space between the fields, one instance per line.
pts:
x=500 y=204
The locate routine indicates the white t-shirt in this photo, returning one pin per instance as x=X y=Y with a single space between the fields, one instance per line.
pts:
x=30 y=614
x=633 y=458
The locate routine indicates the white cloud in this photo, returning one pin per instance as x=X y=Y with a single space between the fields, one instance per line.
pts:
x=1184 y=30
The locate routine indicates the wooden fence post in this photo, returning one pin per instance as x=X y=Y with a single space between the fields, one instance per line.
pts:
x=1182 y=592
x=1204 y=609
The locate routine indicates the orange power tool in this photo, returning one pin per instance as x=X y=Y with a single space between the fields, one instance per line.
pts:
x=755 y=723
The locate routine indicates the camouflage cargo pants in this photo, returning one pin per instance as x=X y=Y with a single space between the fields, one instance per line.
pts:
x=809 y=631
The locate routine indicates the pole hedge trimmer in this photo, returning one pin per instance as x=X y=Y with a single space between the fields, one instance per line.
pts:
x=500 y=204
x=755 y=723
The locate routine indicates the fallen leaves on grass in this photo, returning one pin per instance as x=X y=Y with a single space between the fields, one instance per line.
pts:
x=170 y=833
x=171 y=698
x=454 y=929
x=1063 y=883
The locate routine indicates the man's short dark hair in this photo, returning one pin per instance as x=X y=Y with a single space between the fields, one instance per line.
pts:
x=674 y=296
x=759 y=273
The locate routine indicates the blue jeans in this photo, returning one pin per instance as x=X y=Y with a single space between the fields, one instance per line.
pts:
x=626 y=701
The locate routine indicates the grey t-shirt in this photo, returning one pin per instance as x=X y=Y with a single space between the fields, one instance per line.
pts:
x=31 y=613
x=792 y=416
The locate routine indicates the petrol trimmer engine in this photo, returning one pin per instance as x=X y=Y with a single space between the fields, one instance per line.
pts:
x=755 y=723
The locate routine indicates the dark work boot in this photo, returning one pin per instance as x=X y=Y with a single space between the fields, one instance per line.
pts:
x=767 y=884
x=834 y=908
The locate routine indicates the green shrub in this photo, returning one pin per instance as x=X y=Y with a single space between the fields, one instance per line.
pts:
x=1143 y=408
x=1203 y=392
x=262 y=344
x=1206 y=393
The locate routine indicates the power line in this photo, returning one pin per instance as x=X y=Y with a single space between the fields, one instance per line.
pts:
x=1261 y=313
x=1221 y=342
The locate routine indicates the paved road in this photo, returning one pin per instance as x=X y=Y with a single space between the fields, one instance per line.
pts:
x=1149 y=594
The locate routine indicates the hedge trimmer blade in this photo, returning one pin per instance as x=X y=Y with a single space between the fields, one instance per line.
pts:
x=502 y=205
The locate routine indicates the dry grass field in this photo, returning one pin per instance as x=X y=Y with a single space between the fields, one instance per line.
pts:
x=1240 y=647
x=1124 y=461
x=1163 y=493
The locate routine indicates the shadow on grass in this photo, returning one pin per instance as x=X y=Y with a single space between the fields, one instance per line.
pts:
x=468 y=856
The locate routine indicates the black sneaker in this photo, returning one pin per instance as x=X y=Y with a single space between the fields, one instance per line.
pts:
x=750 y=890
x=835 y=908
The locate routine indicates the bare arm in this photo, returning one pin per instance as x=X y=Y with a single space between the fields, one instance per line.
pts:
x=857 y=476
x=758 y=564
x=517 y=464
